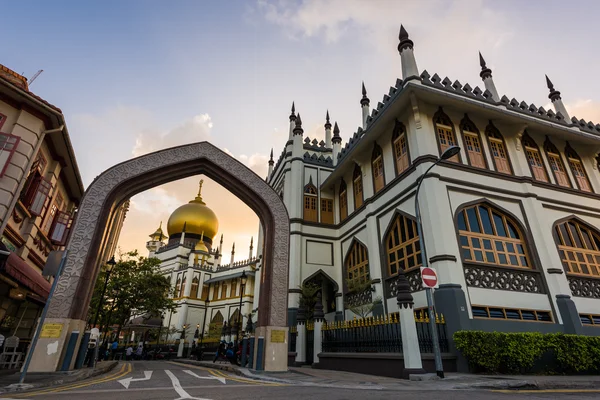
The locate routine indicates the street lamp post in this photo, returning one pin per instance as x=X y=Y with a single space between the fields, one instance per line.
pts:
x=204 y=323
x=448 y=153
x=243 y=279
x=109 y=266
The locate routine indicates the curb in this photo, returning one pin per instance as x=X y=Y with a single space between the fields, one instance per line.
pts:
x=529 y=385
x=84 y=374
x=230 y=368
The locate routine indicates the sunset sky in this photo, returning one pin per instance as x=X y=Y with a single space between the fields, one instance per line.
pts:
x=136 y=76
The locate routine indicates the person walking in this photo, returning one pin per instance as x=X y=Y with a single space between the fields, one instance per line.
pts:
x=128 y=353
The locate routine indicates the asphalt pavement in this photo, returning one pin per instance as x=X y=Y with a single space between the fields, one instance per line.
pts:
x=149 y=380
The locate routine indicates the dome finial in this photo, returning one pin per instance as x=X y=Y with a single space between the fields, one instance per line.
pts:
x=364 y=101
x=485 y=71
x=554 y=94
x=405 y=42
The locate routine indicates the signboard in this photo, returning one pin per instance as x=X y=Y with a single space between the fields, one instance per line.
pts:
x=277 y=336
x=52 y=263
x=429 y=277
x=51 y=330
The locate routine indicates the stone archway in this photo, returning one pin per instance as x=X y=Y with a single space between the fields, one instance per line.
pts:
x=69 y=306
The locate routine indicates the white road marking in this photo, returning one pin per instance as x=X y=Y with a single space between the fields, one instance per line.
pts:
x=127 y=381
x=222 y=380
x=432 y=277
x=180 y=391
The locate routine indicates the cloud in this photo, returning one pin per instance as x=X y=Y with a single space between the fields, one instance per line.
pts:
x=196 y=129
x=586 y=109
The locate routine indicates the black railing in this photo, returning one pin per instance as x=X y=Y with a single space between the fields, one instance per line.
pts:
x=378 y=335
x=310 y=343
x=292 y=335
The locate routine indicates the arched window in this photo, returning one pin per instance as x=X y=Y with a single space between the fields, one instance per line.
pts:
x=579 y=248
x=472 y=143
x=233 y=320
x=233 y=288
x=183 y=286
x=326 y=211
x=534 y=158
x=177 y=291
x=357 y=264
x=403 y=247
x=205 y=290
x=488 y=236
x=583 y=183
x=343 y=201
x=215 y=295
x=556 y=164
x=216 y=324
x=498 y=149
x=223 y=291
x=310 y=202
x=377 y=168
x=400 y=146
x=194 y=290
x=358 y=187
x=445 y=132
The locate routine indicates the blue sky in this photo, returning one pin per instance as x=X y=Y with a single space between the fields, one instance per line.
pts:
x=135 y=76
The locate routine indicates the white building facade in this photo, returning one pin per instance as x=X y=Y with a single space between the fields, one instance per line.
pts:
x=511 y=224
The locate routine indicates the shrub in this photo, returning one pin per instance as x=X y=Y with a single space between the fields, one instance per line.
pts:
x=521 y=353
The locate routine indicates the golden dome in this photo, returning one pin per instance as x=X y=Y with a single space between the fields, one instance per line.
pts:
x=200 y=246
x=196 y=216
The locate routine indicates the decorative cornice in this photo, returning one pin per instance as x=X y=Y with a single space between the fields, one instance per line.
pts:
x=442 y=257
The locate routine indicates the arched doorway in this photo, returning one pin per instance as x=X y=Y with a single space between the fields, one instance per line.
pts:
x=69 y=306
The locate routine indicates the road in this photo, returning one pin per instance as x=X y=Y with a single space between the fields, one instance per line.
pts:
x=142 y=380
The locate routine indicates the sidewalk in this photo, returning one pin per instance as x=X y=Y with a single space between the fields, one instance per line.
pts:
x=9 y=382
x=453 y=381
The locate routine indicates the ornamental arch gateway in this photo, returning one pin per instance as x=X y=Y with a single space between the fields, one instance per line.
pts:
x=69 y=306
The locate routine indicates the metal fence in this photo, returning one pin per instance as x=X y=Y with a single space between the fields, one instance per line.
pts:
x=292 y=336
x=310 y=342
x=379 y=335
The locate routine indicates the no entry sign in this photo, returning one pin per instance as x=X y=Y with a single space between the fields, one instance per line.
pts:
x=429 y=277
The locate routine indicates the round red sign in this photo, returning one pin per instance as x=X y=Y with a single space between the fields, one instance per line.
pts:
x=429 y=277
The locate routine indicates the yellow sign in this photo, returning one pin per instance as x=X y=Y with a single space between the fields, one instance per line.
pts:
x=277 y=336
x=51 y=330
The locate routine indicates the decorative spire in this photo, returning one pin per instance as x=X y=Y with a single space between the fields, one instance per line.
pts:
x=221 y=239
x=184 y=225
x=318 y=311
x=298 y=129
x=198 y=198
x=365 y=100
x=485 y=71
x=293 y=115
x=251 y=242
x=554 y=94
x=271 y=162
x=404 y=297
x=327 y=123
x=405 y=42
x=336 y=134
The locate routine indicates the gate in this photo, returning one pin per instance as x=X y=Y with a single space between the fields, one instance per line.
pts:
x=310 y=343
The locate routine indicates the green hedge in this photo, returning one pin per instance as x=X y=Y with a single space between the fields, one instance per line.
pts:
x=531 y=352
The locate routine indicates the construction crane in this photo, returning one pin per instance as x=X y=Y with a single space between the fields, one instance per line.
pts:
x=35 y=76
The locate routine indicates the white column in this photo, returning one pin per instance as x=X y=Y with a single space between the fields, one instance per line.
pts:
x=189 y=275
x=318 y=340
x=374 y=256
x=489 y=85
x=301 y=343
x=410 y=340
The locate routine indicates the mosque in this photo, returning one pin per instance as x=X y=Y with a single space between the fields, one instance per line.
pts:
x=511 y=223
x=205 y=291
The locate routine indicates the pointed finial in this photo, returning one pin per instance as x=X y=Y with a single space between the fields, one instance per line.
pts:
x=271 y=162
x=184 y=225
x=293 y=115
x=327 y=116
x=549 y=83
x=198 y=198
x=298 y=129
x=481 y=61
x=554 y=94
x=485 y=71
x=200 y=187
x=221 y=238
x=271 y=153
x=160 y=225
x=327 y=123
x=293 y=107
x=365 y=100
x=251 y=241
x=336 y=133
x=233 y=248
x=405 y=42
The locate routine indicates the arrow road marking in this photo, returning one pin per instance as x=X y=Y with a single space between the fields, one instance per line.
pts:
x=222 y=380
x=127 y=381
x=180 y=391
